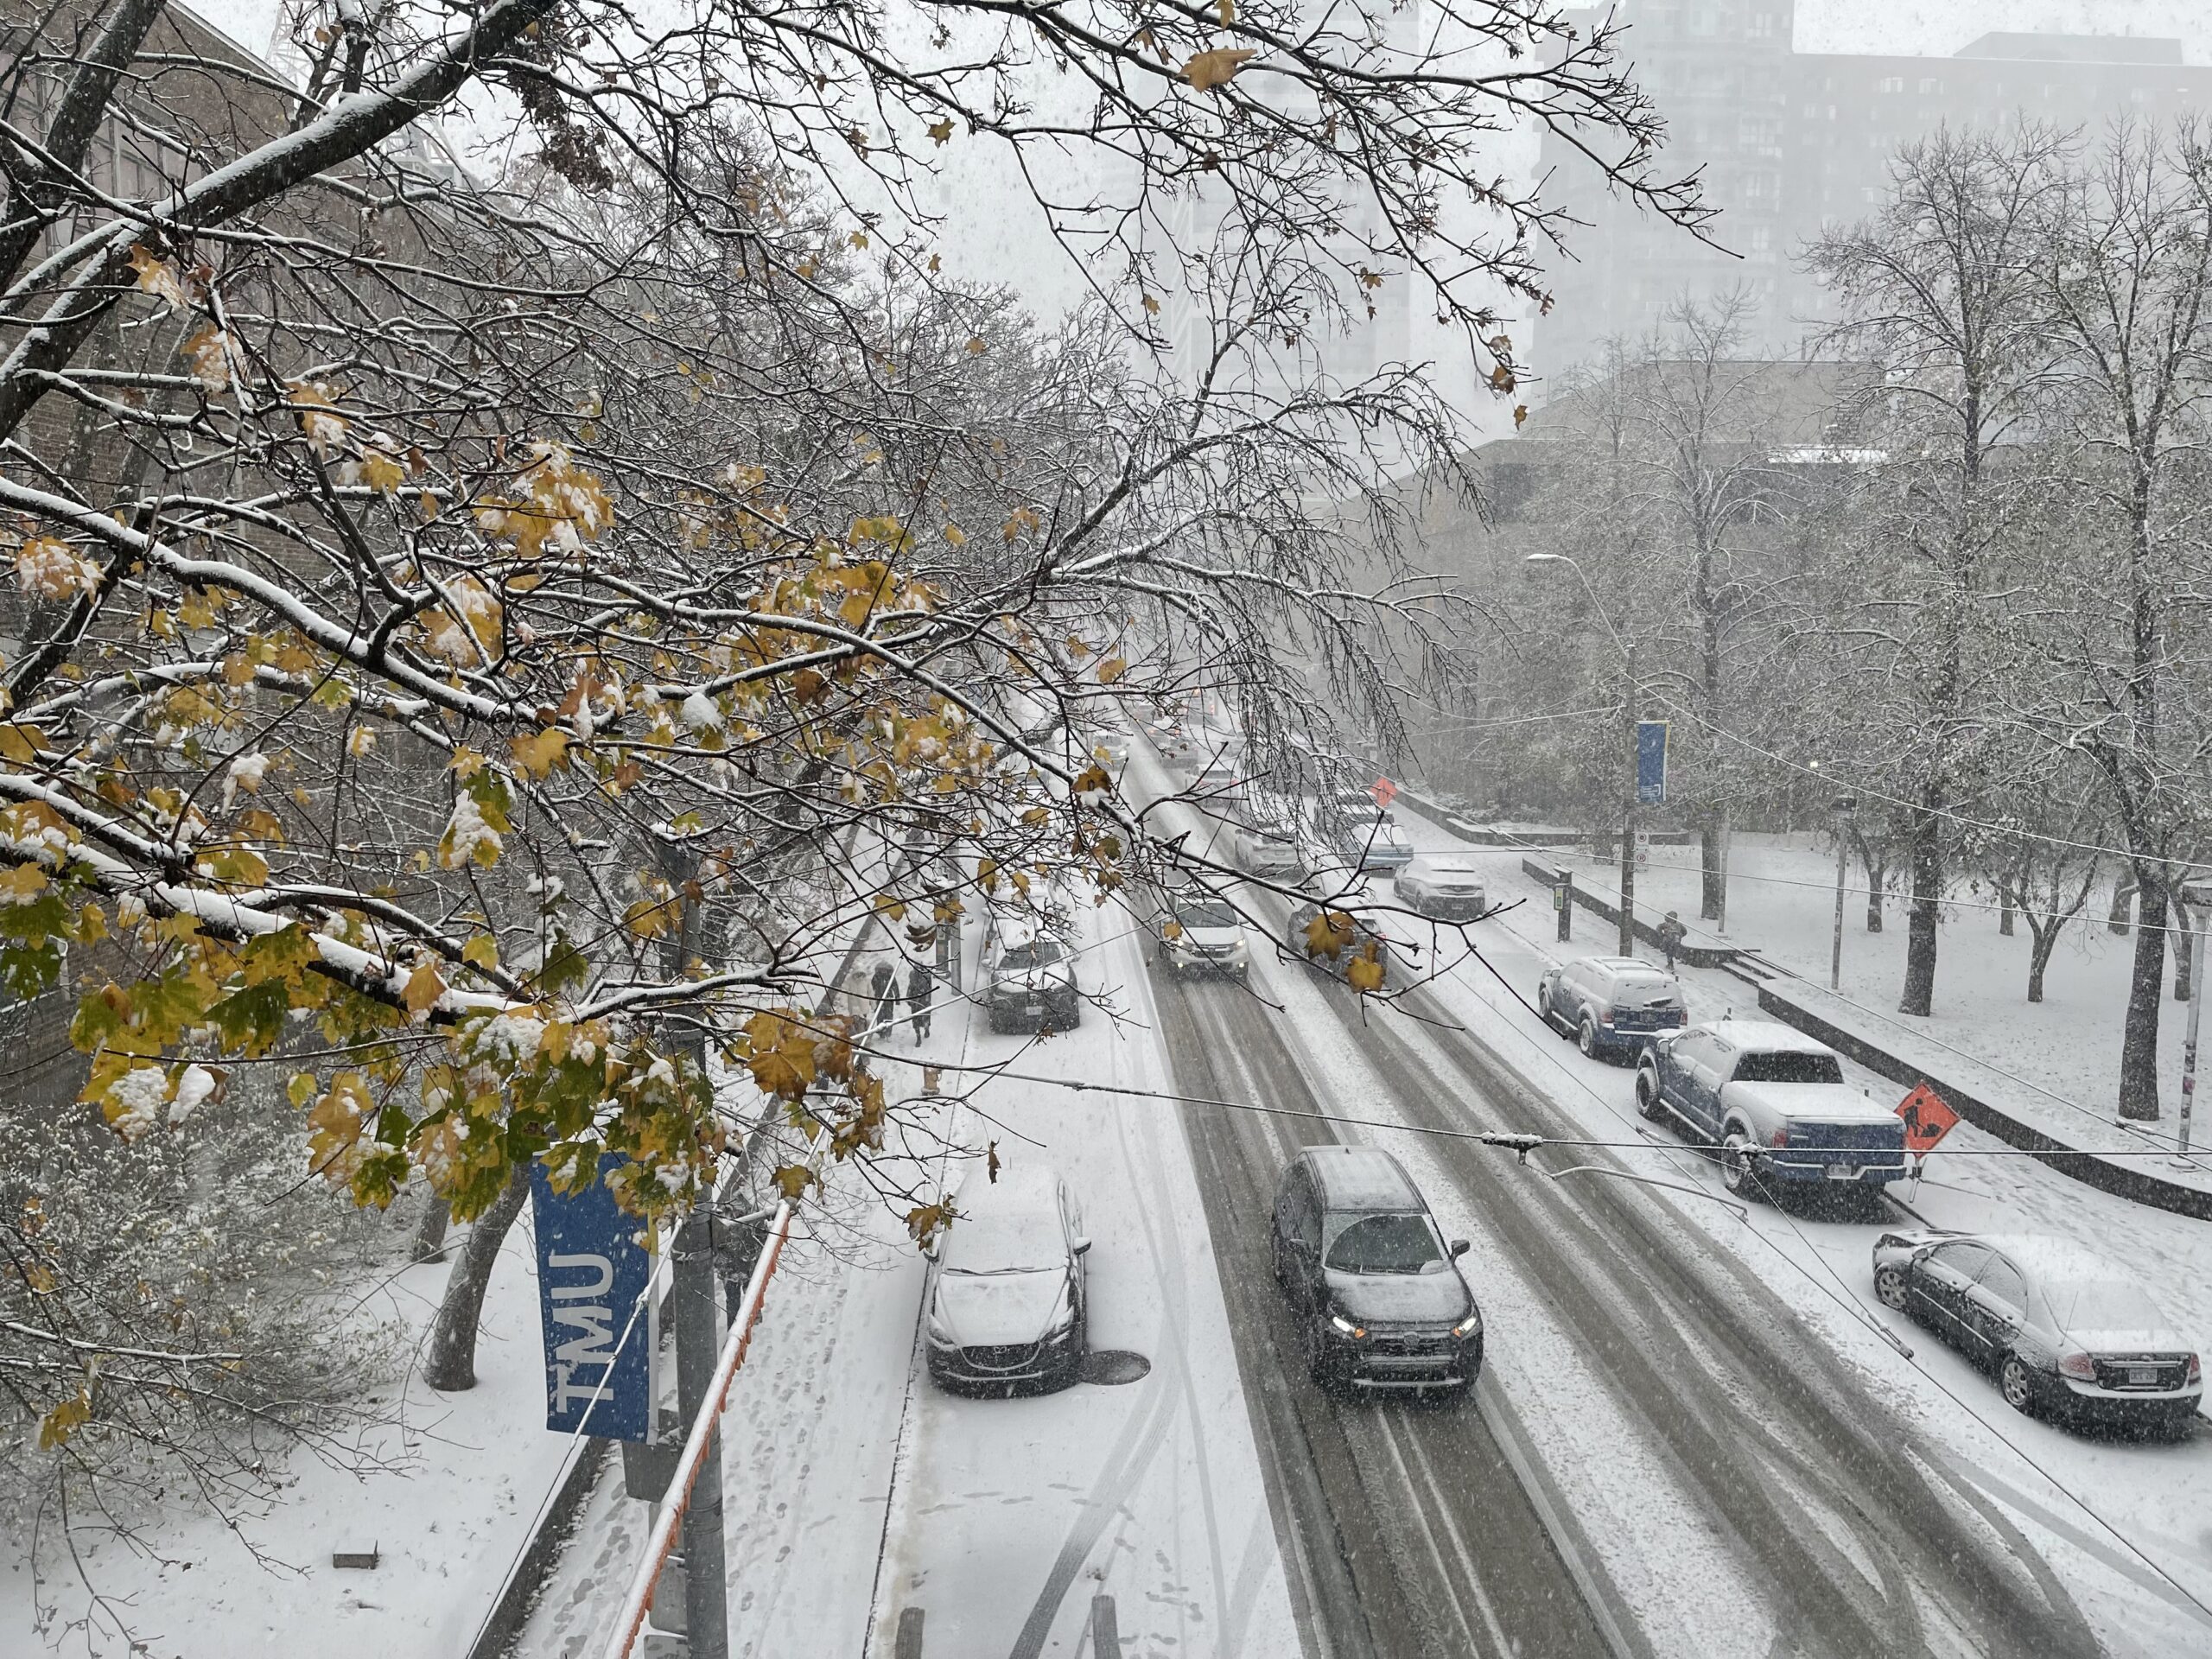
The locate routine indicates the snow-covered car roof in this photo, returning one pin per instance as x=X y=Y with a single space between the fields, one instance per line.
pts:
x=1006 y=1225
x=1769 y=1034
x=1361 y=1178
x=2050 y=1260
x=1444 y=864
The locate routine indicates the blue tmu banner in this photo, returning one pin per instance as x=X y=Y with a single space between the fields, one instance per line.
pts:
x=592 y=1275
x=1651 y=762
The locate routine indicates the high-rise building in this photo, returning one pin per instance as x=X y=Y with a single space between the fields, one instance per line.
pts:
x=1791 y=141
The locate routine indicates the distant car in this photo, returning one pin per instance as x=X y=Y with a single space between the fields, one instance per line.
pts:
x=1773 y=1101
x=1202 y=935
x=1373 y=842
x=1442 y=889
x=1380 y=1300
x=1610 y=1004
x=1029 y=980
x=1276 y=852
x=1008 y=1297
x=2064 y=1332
x=1110 y=749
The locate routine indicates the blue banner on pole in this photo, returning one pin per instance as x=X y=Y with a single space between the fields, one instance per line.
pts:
x=592 y=1276
x=1651 y=762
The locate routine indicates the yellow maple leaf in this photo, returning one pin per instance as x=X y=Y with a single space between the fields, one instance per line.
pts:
x=161 y=277
x=540 y=753
x=1111 y=670
x=941 y=131
x=1328 y=934
x=20 y=885
x=64 y=1420
x=382 y=473
x=423 y=988
x=1208 y=69
x=1364 y=972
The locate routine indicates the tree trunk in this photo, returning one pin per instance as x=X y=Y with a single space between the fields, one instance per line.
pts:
x=1877 y=877
x=430 y=1233
x=2040 y=953
x=450 y=1365
x=2004 y=910
x=1713 y=900
x=1927 y=862
x=2123 y=899
x=2139 y=1047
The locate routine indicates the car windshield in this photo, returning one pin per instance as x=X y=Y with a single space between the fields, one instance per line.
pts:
x=1008 y=1240
x=2111 y=1304
x=1032 y=953
x=1386 y=1244
x=1785 y=1065
x=1212 y=913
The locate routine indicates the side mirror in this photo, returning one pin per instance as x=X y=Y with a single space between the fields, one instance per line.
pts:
x=1082 y=1247
x=1460 y=1247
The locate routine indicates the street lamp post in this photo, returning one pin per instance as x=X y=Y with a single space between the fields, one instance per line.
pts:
x=2195 y=896
x=1846 y=806
x=1628 y=704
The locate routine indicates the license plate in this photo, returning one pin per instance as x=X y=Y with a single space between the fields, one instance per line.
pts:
x=1843 y=1171
x=2143 y=1376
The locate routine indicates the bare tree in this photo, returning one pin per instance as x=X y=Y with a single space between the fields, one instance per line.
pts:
x=2125 y=283
x=1942 y=292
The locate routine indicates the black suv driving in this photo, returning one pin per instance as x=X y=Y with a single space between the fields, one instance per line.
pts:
x=1378 y=1293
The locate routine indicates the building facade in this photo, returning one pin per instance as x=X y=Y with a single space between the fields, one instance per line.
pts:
x=1790 y=142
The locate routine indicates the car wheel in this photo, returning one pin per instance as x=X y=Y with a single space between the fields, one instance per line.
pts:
x=1889 y=1285
x=1647 y=1093
x=1585 y=1035
x=1275 y=1263
x=1318 y=1368
x=1739 y=1166
x=2018 y=1383
x=1544 y=1006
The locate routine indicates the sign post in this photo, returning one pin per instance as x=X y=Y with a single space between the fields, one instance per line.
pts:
x=592 y=1275
x=1928 y=1118
x=2195 y=896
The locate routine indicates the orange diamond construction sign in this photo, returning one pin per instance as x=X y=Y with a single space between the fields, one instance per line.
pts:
x=1928 y=1118
x=1384 y=790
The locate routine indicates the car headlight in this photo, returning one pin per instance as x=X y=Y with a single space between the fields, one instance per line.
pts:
x=941 y=1333
x=1346 y=1326
x=1470 y=1326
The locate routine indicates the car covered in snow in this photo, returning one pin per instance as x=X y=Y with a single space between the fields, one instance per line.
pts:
x=1373 y=842
x=1775 y=1103
x=2064 y=1332
x=1028 y=979
x=1380 y=1301
x=1007 y=1295
x=1202 y=933
x=1610 y=1004
x=1443 y=889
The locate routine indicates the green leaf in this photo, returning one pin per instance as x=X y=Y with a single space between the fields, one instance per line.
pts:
x=251 y=1020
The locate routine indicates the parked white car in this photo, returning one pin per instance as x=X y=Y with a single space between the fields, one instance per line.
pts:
x=1007 y=1290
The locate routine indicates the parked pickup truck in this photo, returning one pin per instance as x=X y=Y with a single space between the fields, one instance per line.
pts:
x=1775 y=1103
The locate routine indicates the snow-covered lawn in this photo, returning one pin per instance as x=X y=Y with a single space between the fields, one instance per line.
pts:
x=467 y=1474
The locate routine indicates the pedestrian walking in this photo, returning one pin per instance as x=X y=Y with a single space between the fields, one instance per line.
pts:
x=883 y=979
x=1671 y=935
x=921 y=991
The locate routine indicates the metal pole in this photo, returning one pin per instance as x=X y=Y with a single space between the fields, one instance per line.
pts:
x=2196 y=1011
x=698 y=1342
x=1628 y=818
x=1835 y=949
x=706 y=1616
x=1727 y=830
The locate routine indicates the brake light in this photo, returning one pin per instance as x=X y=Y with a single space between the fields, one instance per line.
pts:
x=2079 y=1367
x=1780 y=1138
x=2196 y=1369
